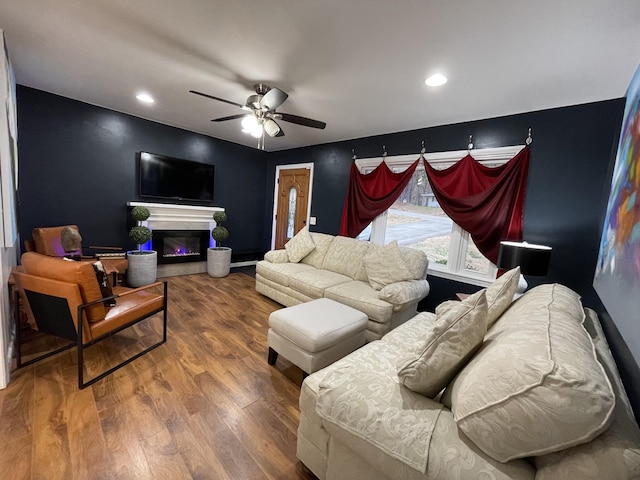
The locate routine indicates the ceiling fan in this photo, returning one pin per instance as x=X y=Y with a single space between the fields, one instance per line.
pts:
x=260 y=113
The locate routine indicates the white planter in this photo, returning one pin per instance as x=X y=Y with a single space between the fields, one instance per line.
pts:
x=218 y=261
x=143 y=267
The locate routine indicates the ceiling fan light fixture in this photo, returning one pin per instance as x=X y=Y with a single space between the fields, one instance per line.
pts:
x=248 y=123
x=256 y=131
x=436 y=80
x=271 y=127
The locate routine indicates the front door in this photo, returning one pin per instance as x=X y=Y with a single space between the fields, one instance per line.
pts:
x=292 y=202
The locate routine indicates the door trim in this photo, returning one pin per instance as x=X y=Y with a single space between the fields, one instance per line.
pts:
x=275 y=194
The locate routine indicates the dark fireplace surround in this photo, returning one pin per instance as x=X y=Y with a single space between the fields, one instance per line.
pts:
x=180 y=246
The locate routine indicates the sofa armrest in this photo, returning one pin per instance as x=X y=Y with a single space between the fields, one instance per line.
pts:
x=277 y=256
x=402 y=293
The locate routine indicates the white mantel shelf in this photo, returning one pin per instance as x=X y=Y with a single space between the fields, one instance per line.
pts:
x=167 y=212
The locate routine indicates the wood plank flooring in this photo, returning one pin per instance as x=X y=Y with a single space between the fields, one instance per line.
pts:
x=205 y=405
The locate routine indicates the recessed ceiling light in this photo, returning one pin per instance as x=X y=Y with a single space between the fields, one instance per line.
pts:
x=436 y=80
x=145 y=98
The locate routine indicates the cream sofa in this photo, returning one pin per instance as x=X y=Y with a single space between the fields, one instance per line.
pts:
x=538 y=397
x=384 y=282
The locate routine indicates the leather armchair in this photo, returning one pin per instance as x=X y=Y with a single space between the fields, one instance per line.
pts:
x=63 y=298
x=47 y=241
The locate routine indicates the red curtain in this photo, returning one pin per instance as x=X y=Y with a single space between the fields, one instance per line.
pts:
x=371 y=194
x=486 y=202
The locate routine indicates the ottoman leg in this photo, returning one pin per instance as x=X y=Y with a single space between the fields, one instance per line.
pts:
x=273 y=356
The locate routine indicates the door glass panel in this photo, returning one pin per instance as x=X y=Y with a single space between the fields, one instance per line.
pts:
x=293 y=194
x=416 y=220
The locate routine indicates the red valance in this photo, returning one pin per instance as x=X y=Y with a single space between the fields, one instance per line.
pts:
x=371 y=194
x=487 y=202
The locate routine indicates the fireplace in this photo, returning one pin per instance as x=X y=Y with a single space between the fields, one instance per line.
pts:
x=180 y=246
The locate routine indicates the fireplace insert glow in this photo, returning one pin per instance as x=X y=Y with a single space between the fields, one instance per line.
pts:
x=180 y=246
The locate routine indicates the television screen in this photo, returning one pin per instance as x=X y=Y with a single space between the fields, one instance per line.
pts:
x=174 y=178
x=617 y=277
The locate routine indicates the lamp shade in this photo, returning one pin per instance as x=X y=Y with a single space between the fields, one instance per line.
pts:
x=532 y=259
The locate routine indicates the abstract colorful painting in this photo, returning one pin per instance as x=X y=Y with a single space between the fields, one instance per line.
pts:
x=617 y=277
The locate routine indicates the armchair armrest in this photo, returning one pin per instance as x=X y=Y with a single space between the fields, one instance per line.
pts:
x=277 y=256
x=402 y=293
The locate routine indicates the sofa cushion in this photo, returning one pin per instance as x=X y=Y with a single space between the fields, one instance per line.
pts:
x=300 y=245
x=613 y=454
x=322 y=241
x=406 y=422
x=429 y=364
x=280 y=272
x=406 y=334
x=345 y=256
x=80 y=273
x=314 y=282
x=385 y=265
x=535 y=386
x=361 y=296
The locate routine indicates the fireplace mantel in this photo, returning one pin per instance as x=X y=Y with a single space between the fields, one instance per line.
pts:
x=166 y=216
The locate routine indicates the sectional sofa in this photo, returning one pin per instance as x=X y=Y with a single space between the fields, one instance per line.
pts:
x=483 y=388
x=384 y=282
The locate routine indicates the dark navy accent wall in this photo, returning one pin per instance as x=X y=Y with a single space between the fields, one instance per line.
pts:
x=77 y=165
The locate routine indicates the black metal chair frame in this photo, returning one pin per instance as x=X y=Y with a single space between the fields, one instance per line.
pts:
x=77 y=341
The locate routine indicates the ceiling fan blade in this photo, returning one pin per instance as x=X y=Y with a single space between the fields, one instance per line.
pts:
x=217 y=98
x=307 y=122
x=273 y=99
x=230 y=117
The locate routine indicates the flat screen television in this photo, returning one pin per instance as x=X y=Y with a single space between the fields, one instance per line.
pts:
x=174 y=178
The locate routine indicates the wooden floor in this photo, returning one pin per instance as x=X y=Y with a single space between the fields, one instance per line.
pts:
x=205 y=405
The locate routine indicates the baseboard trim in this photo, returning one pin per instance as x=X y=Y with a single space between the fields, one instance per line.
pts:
x=244 y=264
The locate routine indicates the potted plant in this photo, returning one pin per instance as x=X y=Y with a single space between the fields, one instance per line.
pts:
x=143 y=264
x=219 y=257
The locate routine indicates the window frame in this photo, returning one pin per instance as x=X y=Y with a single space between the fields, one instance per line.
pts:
x=458 y=247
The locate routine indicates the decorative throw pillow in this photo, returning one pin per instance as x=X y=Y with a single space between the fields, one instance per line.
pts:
x=105 y=286
x=300 y=245
x=500 y=294
x=455 y=335
x=385 y=266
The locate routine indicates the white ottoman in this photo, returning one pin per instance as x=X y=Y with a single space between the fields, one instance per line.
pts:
x=315 y=334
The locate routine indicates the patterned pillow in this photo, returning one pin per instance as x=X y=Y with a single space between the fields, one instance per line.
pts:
x=500 y=294
x=385 y=266
x=300 y=245
x=455 y=335
x=535 y=386
x=105 y=286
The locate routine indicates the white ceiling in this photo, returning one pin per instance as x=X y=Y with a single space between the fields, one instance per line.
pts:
x=358 y=65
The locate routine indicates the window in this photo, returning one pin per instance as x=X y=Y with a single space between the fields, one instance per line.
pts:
x=416 y=220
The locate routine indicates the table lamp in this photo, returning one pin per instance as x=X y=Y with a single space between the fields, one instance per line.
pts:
x=532 y=260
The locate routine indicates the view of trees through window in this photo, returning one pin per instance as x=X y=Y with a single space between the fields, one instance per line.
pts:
x=416 y=220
